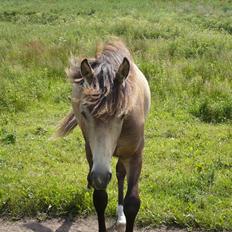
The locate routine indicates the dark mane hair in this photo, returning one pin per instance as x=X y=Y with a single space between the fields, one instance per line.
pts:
x=105 y=97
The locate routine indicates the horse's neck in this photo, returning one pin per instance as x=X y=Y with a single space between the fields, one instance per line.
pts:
x=143 y=91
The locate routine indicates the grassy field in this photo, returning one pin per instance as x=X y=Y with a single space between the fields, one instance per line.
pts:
x=185 y=51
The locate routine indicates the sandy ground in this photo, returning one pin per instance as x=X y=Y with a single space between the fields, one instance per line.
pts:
x=66 y=225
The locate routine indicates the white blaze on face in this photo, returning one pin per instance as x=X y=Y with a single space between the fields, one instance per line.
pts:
x=103 y=137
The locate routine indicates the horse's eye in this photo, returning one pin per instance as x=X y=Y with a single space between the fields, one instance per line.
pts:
x=83 y=114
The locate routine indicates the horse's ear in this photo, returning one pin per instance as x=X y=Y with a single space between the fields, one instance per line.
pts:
x=86 y=71
x=123 y=71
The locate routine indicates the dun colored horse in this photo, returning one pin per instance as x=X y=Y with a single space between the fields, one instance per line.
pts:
x=110 y=101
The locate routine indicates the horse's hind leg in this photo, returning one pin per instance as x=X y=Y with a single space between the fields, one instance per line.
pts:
x=132 y=200
x=121 y=219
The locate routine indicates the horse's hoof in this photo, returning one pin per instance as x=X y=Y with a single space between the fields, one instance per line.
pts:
x=120 y=227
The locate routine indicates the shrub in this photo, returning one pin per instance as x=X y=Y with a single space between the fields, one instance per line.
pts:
x=214 y=111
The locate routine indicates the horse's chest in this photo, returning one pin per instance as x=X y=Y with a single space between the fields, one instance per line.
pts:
x=129 y=141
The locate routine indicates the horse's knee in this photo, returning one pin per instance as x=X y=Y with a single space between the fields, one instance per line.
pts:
x=100 y=199
x=131 y=206
x=120 y=175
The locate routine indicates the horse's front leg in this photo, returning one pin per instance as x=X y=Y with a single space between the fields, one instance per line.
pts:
x=100 y=197
x=100 y=200
x=89 y=157
x=132 y=200
x=121 y=219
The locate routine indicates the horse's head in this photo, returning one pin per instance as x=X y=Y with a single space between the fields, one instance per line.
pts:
x=100 y=107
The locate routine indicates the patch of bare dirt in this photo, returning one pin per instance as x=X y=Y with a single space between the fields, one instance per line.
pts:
x=88 y=224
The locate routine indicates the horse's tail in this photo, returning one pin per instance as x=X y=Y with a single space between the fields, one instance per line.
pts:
x=67 y=124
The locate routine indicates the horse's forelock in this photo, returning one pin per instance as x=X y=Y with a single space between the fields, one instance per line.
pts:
x=103 y=97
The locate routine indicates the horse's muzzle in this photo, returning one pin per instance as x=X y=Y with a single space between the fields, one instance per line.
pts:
x=100 y=180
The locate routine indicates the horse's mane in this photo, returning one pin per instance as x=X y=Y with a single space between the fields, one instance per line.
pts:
x=105 y=97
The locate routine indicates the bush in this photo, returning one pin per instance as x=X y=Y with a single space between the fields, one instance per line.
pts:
x=214 y=112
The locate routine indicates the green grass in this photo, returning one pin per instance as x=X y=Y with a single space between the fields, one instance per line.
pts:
x=183 y=48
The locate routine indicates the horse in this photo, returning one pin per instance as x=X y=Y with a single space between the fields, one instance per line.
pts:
x=110 y=101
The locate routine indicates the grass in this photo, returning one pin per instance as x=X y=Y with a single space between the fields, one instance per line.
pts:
x=183 y=48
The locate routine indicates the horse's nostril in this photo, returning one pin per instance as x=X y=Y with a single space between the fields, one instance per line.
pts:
x=100 y=180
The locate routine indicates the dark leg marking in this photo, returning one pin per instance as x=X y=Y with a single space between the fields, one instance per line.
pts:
x=132 y=200
x=90 y=162
x=100 y=200
x=120 y=173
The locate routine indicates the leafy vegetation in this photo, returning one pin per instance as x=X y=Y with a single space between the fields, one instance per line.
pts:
x=183 y=48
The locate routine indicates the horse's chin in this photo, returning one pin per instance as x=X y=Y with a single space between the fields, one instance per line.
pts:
x=99 y=187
